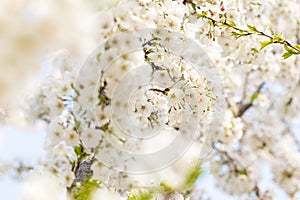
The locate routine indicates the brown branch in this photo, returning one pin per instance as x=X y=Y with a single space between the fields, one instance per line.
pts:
x=244 y=107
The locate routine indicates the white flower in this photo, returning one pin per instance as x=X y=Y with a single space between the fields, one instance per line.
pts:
x=103 y=115
x=87 y=97
x=106 y=21
x=175 y=116
x=157 y=57
x=175 y=96
x=55 y=103
x=175 y=8
x=233 y=129
x=62 y=151
x=67 y=177
x=71 y=138
x=55 y=93
x=101 y=172
x=55 y=133
x=91 y=137
x=144 y=108
x=143 y=121
x=162 y=77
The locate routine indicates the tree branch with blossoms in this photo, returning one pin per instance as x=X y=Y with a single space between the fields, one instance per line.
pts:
x=272 y=39
x=238 y=32
x=136 y=118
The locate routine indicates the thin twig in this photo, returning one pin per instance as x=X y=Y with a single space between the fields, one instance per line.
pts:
x=244 y=107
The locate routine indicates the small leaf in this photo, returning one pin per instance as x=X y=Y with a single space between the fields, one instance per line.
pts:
x=297 y=46
x=254 y=96
x=237 y=34
x=203 y=14
x=255 y=50
x=192 y=176
x=166 y=187
x=265 y=43
x=287 y=48
x=231 y=23
x=278 y=39
x=234 y=33
x=291 y=50
x=243 y=172
x=252 y=28
x=78 y=150
x=225 y=25
x=287 y=55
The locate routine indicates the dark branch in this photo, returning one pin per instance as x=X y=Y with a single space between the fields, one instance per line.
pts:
x=245 y=106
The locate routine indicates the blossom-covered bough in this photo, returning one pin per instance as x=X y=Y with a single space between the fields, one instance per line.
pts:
x=148 y=110
x=172 y=87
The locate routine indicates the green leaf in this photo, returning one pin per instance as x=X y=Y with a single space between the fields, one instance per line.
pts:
x=192 y=176
x=287 y=55
x=225 y=25
x=78 y=150
x=254 y=50
x=234 y=33
x=252 y=28
x=231 y=23
x=243 y=172
x=104 y=100
x=289 y=52
x=85 y=190
x=237 y=34
x=141 y=194
x=278 y=39
x=203 y=14
x=265 y=43
x=254 y=96
x=166 y=187
x=297 y=46
x=287 y=48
